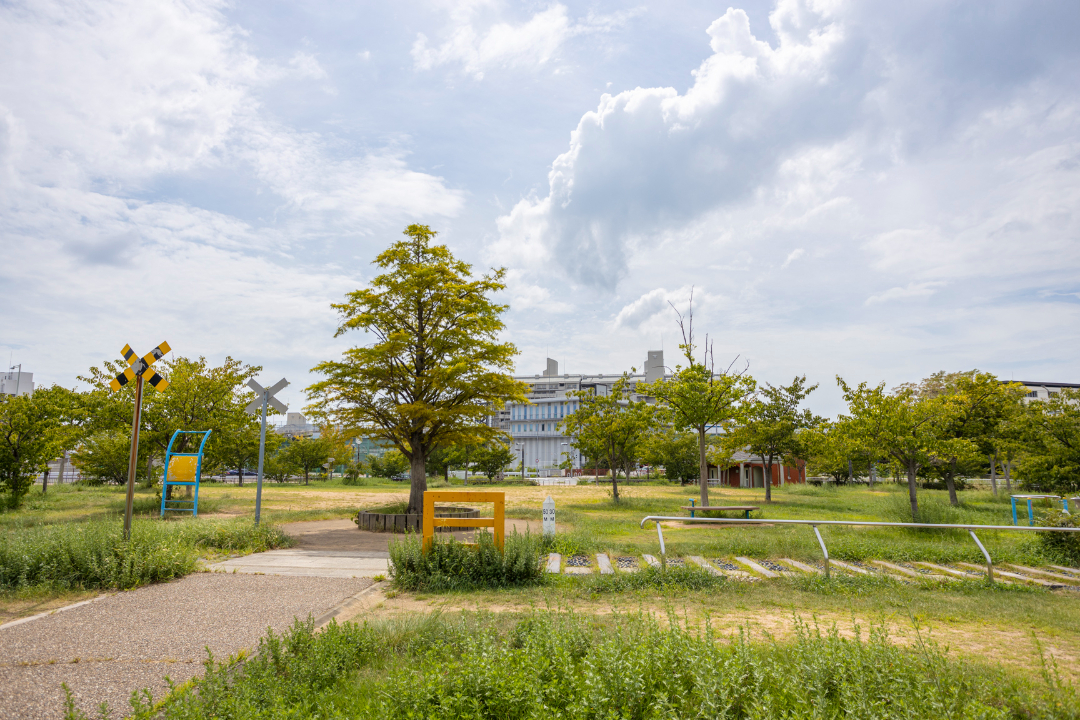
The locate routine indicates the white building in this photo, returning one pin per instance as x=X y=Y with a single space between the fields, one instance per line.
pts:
x=534 y=426
x=12 y=383
x=1045 y=391
x=297 y=425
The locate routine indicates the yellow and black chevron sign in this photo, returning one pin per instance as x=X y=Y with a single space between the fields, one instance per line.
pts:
x=139 y=366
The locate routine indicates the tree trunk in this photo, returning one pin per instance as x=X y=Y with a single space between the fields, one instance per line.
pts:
x=614 y=483
x=703 y=468
x=240 y=475
x=150 y=470
x=45 y=481
x=767 y=467
x=912 y=490
x=418 y=476
x=850 y=472
x=1008 y=484
x=446 y=473
x=950 y=482
x=873 y=470
x=993 y=473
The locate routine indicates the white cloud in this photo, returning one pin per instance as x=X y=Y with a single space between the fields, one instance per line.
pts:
x=107 y=108
x=503 y=44
x=911 y=290
x=877 y=164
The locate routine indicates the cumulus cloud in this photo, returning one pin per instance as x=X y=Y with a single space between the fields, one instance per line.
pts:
x=476 y=48
x=850 y=128
x=121 y=123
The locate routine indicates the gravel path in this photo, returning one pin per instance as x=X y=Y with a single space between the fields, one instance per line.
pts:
x=107 y=649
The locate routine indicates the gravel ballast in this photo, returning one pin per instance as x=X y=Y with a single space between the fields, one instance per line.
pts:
x=108 y=649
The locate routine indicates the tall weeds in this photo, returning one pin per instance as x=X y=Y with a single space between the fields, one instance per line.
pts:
x=94 y=555
x=562 y=665
x=451 y=565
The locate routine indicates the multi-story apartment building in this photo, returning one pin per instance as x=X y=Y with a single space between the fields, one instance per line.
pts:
x=535 y=425
x=1045 y=391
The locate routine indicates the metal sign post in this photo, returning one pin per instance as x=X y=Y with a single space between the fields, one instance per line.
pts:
x=137 y=367
x=264 y=399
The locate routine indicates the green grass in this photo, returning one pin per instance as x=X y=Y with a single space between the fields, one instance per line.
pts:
x=567 y=665
x=93 y=555
x=599 y=524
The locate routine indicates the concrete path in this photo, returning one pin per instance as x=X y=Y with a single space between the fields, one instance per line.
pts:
x=324 y=548
x=107 y=649
x=310 y=563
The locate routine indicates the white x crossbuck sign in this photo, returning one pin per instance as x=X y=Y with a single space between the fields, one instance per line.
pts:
x=255 y=406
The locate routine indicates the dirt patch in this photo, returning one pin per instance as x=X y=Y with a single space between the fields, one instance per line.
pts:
x=15 y=608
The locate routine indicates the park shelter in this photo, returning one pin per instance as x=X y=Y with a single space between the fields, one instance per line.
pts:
x=748 y=471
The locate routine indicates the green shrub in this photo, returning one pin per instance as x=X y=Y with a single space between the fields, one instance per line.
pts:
x=1065 y=546
x=94 y=555
x=563 y=665
x=451 y=565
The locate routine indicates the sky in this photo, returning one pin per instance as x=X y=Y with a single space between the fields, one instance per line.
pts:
x=872 y=190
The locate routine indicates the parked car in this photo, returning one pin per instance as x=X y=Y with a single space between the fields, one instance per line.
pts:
x=401 y=477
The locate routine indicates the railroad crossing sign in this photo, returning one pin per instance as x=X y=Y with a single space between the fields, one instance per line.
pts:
x=137 y=369
x=140 y=365
x=265 y=398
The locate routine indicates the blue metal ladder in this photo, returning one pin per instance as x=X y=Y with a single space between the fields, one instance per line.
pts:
x=166 y=483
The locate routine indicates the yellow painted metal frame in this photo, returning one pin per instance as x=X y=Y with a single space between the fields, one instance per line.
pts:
x=497 y=523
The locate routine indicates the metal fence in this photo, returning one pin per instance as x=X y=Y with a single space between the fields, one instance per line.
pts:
x=814 y=524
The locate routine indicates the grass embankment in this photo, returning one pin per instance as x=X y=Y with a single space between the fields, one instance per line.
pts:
x=592 y=522
x=566 y=665
x=66 y=558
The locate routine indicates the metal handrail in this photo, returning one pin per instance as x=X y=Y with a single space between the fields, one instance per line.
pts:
x=814 y=523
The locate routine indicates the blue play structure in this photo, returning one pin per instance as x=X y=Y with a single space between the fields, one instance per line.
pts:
x=1029 y=498
x=183 y=470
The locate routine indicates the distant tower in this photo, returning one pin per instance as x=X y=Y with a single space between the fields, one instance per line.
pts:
x=654 y=366
x=552 y=368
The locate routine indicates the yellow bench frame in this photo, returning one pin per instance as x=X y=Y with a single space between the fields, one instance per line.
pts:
x=497 y=523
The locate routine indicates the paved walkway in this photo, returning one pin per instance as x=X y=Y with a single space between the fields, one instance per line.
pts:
x=107 y=649
x=324 y=548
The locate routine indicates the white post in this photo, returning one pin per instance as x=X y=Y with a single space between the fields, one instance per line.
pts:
x=548 y=513
x=262 y=449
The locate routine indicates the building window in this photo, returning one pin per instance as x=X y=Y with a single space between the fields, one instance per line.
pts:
x=1033 y=394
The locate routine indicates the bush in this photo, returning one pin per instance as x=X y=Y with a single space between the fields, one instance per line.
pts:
x=1061 y=545
x=451 y=565
x=93 y=555
x=562 y=665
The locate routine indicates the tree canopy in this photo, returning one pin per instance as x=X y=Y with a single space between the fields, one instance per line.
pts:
x=769 y=426
x=698 y=396
x=613 y=426
x=436 y=367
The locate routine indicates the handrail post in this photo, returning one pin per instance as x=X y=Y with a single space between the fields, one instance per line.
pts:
x=663 y=550
x=824 y=550
x=989 y=563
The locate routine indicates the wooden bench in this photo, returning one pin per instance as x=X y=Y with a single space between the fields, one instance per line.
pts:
x=745 y=509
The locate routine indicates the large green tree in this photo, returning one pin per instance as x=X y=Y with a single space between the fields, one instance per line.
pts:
x=34 y=429
x=973 y=406
x=699 y=396
x=435 y=368
x=613 y=426
x=307 y=454
x=769 y=426
x=675 y=451
x=1053 y=435
x=905 y=427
